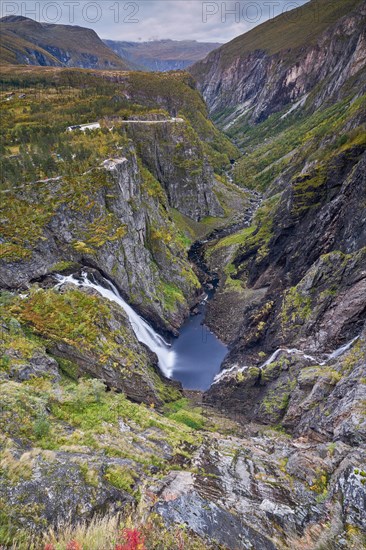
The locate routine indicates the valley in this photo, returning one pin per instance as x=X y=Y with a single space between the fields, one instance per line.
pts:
x=162 y=55
x=183 y=297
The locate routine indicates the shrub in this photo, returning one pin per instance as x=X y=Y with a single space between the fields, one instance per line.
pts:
x=41 y=425
x=132 y=539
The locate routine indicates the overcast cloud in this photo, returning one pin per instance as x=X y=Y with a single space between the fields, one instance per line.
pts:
x=205 y=21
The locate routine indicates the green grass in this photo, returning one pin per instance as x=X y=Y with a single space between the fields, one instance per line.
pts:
x=238 y=238
x=294 y=141
x=37 y=413
x=74 y=317
x=19 y=38
x=59 y=267
x=312 y=374
x=191 y=419
x=121 y=478
x=181 y=411
x=172 y=295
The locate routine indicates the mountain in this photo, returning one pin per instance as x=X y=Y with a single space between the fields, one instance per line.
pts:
x=317 y=48
x=291 y=298
x=162 y=55
x=262 y=225
x=25 y=41
x=292 y=283
x=173 y=160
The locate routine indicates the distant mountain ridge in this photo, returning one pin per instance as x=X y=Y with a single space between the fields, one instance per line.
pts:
x=162 y=55
x=27 y=42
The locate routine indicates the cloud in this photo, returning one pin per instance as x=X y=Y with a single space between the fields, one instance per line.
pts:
x=205 y=21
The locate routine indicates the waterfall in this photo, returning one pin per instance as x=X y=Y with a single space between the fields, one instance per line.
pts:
x=234 y=370
x=334 y=355
x=292 y=351
x=340 y=351
x=143 y=331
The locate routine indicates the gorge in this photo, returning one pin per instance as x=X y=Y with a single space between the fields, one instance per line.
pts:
x=183 y=293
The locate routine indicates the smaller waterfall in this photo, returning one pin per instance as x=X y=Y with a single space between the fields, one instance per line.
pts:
x=292 y=351
x=143 y=331
x=334 y=355
x=234 y=370
x=340 y=351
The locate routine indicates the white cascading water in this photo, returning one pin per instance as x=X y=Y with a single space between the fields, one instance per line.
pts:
x=331 y=356
x=334 y=355
x=143 y=331
x=340 y=351
x=293 y=351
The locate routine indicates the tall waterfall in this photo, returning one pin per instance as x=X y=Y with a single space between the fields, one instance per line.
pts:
x=143 y=331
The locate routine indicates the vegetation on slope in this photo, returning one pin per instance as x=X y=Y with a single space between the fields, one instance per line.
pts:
x=35 y=145
x=297 y=162
x=296 y=139
x=26 y=41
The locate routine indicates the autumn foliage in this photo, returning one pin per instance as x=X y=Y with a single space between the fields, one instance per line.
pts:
x=132 y=539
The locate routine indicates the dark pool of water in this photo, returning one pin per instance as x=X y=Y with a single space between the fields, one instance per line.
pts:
x=199 y=353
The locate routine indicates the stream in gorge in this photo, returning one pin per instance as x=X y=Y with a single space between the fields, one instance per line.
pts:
x=194 y=357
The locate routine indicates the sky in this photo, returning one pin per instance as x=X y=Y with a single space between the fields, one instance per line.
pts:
x=144 y=20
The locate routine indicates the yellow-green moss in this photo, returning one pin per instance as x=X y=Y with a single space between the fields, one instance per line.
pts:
x=120 y=477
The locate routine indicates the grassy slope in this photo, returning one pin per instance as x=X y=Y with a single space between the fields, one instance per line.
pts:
x=78 y=41
x=13 y=45
x=279 y=145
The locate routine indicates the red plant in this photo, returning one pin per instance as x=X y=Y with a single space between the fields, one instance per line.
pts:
x=73 y=545
x=49 y=546
x=179 y=539
x=133 y=539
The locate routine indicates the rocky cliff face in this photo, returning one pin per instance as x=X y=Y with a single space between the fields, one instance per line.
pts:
x=281 y=489
x=174 y=154
x=291 y=299
x=246 y=82
x=113 y=219
x=118 y=216
x=89 y=336
x=308 y=160
x=295 y=278
x=318 y=273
